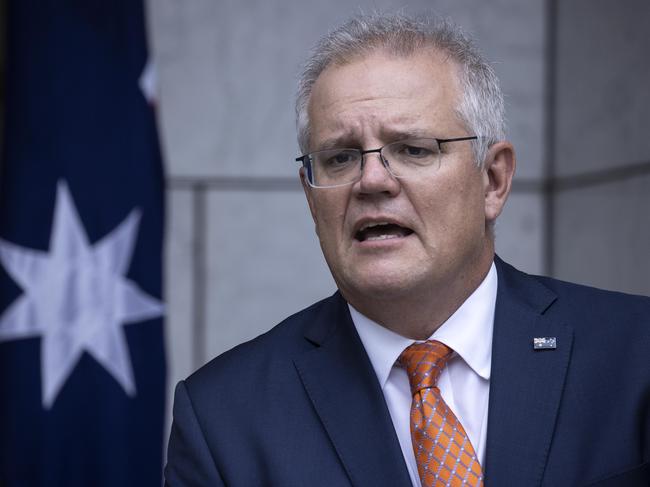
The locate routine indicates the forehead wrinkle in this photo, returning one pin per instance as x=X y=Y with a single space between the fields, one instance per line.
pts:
x=345 y=131
x=356 y=127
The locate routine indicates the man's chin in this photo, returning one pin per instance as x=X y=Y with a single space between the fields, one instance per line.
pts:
x=396 y=284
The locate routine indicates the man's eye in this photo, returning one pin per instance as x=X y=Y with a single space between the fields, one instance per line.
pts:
x=415 y=151
x=340 y=159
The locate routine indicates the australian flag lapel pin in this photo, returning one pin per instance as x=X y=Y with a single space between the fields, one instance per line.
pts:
x=544 y=343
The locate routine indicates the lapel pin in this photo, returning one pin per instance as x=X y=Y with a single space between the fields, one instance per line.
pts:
x=545 y=343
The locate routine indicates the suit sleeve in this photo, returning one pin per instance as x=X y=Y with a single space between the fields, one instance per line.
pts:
x=189 y=461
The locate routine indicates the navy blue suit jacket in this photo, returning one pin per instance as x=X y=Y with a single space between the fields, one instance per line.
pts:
x=301 y=405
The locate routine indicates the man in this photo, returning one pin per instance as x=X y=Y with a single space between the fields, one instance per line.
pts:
x=435 y=363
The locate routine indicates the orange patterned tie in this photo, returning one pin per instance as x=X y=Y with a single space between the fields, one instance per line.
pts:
x=443 y=452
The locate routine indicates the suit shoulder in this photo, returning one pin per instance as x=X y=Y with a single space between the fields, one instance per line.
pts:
x=598 y=299
x=624 y=317
x=583 y=306
x=580 y=294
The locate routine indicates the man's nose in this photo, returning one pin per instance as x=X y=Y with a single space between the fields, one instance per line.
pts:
x=375 y=177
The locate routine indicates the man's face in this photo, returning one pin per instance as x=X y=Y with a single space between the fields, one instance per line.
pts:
x=437 y=230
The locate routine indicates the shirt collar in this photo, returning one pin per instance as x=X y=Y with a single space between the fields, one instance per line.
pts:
x=468 y=332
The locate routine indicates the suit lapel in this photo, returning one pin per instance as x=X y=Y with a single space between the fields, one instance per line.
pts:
x=339 y=379
x=525 y=384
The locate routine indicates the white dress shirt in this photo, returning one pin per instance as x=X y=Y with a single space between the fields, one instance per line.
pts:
x=464 y=383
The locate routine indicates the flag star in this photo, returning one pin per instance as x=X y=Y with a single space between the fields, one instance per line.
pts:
x=77 y=298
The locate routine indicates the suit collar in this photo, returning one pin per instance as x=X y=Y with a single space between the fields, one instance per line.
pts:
x=526 y=384
x=343 y=388
x=325 y=319
x=523 y=288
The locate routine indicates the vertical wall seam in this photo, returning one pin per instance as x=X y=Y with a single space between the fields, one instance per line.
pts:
x=199 y=263
x=550 y=120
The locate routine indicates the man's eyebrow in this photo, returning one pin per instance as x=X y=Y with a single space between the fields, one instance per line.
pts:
x=391 y=135
x=340 y=142
x=388 y=135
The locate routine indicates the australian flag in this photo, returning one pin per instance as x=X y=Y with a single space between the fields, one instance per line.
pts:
x=82 y=367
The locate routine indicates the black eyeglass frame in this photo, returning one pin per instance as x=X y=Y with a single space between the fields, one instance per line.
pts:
x=304 y=158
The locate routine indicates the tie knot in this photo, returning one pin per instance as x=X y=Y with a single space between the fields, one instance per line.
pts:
x=424 y=363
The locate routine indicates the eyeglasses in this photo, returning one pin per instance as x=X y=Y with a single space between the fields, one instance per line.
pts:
x=403 y=159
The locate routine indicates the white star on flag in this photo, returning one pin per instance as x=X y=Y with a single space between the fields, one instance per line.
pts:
x=77 y=297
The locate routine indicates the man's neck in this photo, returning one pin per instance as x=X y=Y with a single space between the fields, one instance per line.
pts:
x=418 y=315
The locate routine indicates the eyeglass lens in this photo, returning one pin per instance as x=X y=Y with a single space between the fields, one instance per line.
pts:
x=404 y=158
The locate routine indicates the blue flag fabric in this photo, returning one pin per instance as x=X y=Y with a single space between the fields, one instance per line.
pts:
x=82 y=365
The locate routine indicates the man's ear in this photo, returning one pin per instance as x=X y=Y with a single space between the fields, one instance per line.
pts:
x=498 y=171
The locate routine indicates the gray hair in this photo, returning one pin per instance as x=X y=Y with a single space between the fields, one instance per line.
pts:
x=481 y=105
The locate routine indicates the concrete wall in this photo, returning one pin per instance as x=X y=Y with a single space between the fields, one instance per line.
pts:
x=601 y=211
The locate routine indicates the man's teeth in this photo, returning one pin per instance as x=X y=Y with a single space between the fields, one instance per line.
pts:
x=381 y=231
x=382 y=237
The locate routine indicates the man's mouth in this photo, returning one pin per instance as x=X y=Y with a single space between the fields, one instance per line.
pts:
x=381 y=231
